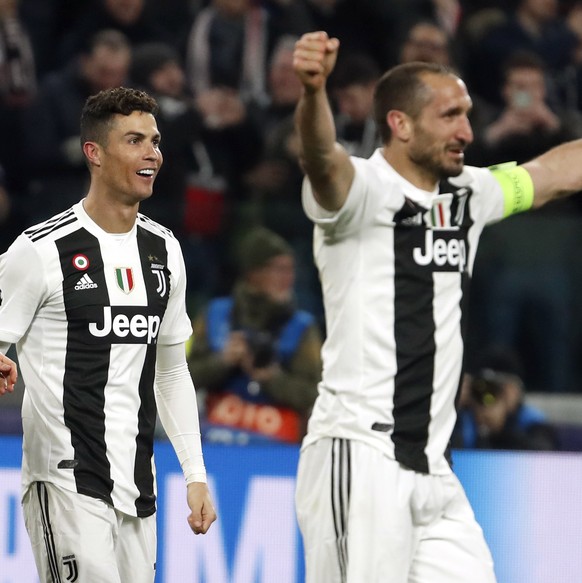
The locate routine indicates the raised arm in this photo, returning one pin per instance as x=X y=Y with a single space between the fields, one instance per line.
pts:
x=325 y=162
x=557 y=172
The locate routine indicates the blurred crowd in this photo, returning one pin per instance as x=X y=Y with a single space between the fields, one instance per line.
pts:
x=222 y=73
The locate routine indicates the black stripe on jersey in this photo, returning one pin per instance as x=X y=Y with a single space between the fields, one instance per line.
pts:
x=340 y=499
x=419 y=252
x=48 y=227
x=414 y=330
x=154 y=262
x=47 y=529
x=86 y=367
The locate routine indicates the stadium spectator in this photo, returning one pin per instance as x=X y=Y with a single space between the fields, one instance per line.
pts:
x=427 y=42
x=18 y=84
x=527 y=124
x=255 y=353
x=532 y=25
x=367 y=26
x=129 y=17
x=352 y=90
x=493 y=413
x=230 y=45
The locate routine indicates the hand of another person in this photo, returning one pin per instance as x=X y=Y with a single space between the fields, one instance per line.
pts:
x=266 y=373
x=8 y=374
x=314 y=59
x=202 y=513
x=512 y=122
x=236 y=350
x=544 y=118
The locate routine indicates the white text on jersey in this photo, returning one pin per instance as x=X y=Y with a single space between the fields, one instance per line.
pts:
x=138 y=326
x=441 y=251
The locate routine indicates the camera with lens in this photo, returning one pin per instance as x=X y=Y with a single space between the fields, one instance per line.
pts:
x=262 y=347
x=486 y=387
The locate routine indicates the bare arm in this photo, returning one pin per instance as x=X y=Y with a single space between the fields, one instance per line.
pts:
x=556 y=172
x=326 y=163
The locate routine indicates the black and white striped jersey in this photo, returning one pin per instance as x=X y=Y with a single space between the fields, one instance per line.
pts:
x=86 y=310
x=394 y=264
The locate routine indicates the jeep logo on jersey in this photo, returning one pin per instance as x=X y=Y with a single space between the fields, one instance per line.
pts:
x=123 y=327
x=443 y=250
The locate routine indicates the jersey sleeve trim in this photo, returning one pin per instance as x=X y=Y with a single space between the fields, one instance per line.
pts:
x=516 y=185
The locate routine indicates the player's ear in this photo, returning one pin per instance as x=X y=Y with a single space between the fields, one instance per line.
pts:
x=400 y=124
x=92 y=152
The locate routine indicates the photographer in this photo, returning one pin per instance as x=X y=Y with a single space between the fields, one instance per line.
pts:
x=254 y=353
x=530 y=120
x=493 y=414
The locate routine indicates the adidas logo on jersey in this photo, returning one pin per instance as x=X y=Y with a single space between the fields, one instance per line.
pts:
x=85 y=283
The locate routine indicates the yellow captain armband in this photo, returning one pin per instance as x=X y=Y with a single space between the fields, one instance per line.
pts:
x=517 y=187
x=189 y=345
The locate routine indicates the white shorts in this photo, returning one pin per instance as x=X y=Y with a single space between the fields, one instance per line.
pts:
x=78 y=538
x=364 y=517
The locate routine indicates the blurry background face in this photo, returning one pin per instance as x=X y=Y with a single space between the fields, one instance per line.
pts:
x=541 y=10
x=169 y=80
x=8 y=6
x=105 y=67
x=232 y=8
x=426 y=42
x=275 y=279
x=284 y=85
x=355 y=101
x=125 y=11
x=524 y=87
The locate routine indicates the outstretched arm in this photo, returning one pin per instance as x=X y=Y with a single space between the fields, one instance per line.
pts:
x=557 y=172
x=326 y=163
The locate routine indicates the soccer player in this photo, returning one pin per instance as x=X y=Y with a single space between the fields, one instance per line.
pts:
x=94 y=300
x=395 y=238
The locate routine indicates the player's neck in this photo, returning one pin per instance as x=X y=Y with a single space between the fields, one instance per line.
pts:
x=410 y=171
x=111 y=215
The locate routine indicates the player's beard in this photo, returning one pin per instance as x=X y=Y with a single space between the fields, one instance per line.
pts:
x=431 y=156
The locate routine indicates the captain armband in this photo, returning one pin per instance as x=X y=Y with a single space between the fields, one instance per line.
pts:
x=516 y=185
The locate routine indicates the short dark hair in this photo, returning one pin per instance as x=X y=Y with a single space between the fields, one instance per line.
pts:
x=100 y=109
x=354 y=69
x=522 y=59
x=403 y=88
x=109 y=38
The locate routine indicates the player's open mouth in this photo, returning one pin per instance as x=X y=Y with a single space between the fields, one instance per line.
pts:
x=146 y=173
